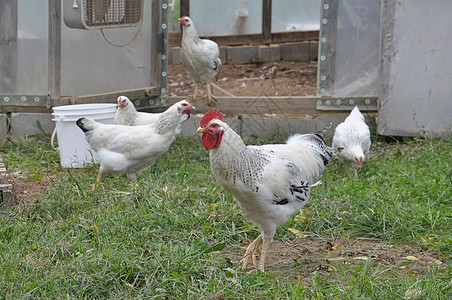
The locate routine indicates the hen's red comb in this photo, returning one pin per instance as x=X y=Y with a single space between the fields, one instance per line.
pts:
x=210 y=115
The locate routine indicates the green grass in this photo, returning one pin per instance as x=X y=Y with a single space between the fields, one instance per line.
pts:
x=161 y=237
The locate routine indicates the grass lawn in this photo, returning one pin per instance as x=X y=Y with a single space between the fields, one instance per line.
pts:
x=175 y=234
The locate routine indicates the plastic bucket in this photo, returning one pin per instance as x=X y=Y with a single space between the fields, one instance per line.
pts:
x=75 y=152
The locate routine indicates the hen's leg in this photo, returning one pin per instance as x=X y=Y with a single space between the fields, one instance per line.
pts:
x=196 y=91
x=209 y=94
x=251 y=251
x=265 y=247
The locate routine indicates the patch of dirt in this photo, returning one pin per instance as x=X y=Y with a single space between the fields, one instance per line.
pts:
x=283 y=78
x=300 y=258
x=25 y=187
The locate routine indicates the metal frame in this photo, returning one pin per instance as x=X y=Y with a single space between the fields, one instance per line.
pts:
x=327 y=47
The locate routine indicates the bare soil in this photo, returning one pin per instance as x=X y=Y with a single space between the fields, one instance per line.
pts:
x=25 y=188
x=300 y=258
x=283 y=78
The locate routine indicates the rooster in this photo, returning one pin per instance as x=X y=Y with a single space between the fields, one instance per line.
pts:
x=270 y=182
x=132 y=149
x=200 y=57
x=351 y=140
x=126 y=114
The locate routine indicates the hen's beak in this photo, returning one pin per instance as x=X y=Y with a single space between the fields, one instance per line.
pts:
x=179 y=19
x=201 y=130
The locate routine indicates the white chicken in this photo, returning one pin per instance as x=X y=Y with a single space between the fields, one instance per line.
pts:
x=132 y=149
x=200 y=57
x=270 y=182
x=127 y=114
x=351 y=140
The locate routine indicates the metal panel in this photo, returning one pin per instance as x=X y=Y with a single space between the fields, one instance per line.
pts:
x=349 y=56
x=416 y=90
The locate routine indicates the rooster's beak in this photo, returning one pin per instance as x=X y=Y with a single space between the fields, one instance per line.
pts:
x=201 y=130
x=180 y=19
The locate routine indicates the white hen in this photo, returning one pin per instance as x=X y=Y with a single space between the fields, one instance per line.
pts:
x=200 y=57
x=127 y=114
x=270 y=182
x=351 y=140
x=132 y=149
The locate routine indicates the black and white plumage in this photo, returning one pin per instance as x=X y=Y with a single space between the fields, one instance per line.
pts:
x=132 y=149
x=270 y=182
x=351 y=140
x=200 y=57
x=127 y=114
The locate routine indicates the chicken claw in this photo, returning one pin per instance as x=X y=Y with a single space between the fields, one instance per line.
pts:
x=251 y=251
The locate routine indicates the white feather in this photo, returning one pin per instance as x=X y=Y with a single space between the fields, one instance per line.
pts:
x=351 y=140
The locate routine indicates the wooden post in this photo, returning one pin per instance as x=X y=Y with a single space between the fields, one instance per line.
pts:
x=267 y=21
x=184 y=8
x=54 y=63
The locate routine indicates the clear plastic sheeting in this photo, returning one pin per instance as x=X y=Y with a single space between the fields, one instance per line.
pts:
x=92 y=62
x=416 y=78
x=295 y=15
x=357 y=49
x=245 y=16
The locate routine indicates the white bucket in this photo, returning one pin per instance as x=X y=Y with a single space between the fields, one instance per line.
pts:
x=75 y=152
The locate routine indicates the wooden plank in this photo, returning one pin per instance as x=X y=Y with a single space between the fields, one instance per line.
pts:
x=267 y=21
x=327 y=46
x=133 y=94
x=301 y=106
x=246 y=39
x=54 y=55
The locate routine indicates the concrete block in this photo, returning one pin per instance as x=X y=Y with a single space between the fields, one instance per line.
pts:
x=25 y=124
x=174 y=56
x=7 y=195
x=3 y=126
x=314 y=47
x=295 y=51
x=269 y=126
x=269 y=53
x=190 y=126
x=241 y=55
x=322 y=121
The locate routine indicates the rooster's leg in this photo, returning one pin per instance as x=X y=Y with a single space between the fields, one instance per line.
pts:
x=251 y=251
x=265 y=247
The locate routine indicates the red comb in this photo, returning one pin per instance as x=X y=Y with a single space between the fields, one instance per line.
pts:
x=210 y=115
x=189 y=102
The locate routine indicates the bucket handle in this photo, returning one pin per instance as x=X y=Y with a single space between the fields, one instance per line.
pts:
x=54 y=132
